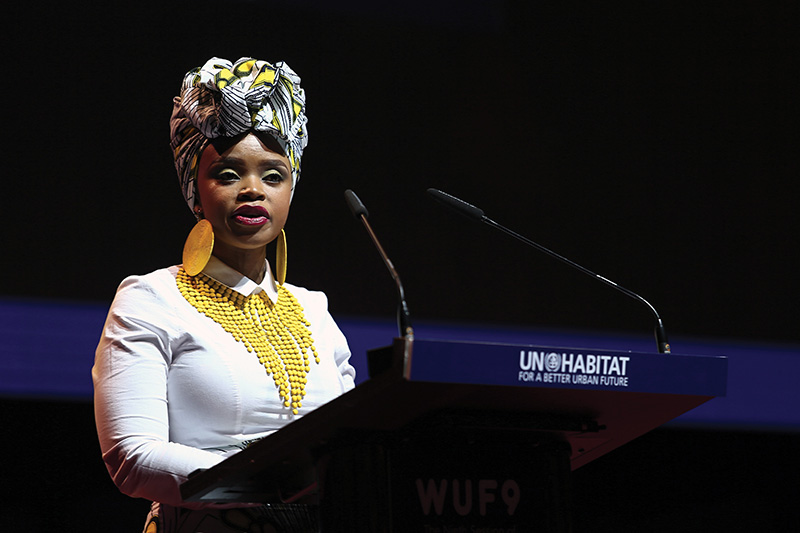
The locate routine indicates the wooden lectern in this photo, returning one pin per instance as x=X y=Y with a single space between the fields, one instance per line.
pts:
x=460 y=437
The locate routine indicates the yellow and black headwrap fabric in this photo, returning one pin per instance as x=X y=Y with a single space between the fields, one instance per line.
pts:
x=224 y=99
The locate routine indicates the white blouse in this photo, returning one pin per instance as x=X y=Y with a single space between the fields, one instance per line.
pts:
x=174 y=392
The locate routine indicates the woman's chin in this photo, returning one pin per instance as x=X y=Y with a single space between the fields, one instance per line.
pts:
x=256 y=240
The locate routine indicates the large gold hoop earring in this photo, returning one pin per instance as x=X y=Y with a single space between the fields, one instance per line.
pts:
x=280 y=259
x=198 y=247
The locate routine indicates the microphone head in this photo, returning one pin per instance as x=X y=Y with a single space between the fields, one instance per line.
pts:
x=355 y=205
x=459 y=205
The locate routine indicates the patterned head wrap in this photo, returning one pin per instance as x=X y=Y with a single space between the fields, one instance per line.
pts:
x=224 y=99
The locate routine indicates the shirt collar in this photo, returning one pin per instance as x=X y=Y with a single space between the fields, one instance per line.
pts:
x=237 y=281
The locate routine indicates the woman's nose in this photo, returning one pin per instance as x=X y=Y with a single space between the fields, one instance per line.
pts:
x=251 y=189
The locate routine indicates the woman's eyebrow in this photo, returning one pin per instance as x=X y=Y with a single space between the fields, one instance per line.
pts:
x=267 y=161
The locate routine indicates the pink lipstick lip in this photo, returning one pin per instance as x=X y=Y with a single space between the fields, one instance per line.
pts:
x=251 y=215
x=251 y=211
x=250 y=221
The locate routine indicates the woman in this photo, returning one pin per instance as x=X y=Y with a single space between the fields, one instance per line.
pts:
x=198 y=360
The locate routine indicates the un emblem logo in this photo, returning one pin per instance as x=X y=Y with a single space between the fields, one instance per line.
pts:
x=552 y=362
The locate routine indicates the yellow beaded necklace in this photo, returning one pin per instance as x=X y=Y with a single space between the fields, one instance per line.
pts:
x=278 y=332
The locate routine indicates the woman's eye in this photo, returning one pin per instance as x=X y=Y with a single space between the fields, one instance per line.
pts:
x=273 y=176
x=227 y=175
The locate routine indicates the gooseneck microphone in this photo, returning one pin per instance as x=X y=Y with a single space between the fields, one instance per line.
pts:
x=476 y=213
x=403 y=316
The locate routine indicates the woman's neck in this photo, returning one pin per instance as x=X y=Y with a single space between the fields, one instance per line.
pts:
x=250 y=263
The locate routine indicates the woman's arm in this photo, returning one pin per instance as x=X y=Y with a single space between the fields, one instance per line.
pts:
x=130 y=379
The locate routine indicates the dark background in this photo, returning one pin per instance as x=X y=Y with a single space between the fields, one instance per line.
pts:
x=653 y=142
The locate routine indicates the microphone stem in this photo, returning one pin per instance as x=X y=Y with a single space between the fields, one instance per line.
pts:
x=403 y=314
x=660 y=331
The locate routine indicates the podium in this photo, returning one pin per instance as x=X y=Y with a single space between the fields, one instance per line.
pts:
x=459 y=436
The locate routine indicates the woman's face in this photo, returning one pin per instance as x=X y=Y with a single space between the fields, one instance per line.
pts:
x=245 y=188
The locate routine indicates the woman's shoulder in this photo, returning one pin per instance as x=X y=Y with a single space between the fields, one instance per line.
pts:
x=149 y=300
x=152 y=280
x=308 y=297
x=157 y=286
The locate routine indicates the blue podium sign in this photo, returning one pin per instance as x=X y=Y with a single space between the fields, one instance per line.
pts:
x=551 y=367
